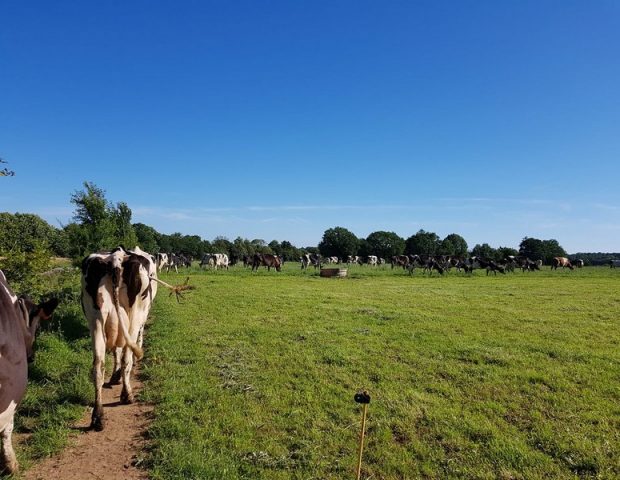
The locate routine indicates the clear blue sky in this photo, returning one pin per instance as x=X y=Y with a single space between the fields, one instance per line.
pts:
x=278 y=120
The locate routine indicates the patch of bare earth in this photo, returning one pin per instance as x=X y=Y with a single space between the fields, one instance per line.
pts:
x=114 y=453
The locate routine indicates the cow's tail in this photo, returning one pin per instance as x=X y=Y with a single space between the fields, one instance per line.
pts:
x=116 y=277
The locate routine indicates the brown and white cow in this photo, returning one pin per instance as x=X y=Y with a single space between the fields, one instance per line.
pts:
x=19 y=320
x=561 y=262
x=118 y=288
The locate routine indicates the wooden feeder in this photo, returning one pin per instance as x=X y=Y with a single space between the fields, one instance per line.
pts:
x=334 y=272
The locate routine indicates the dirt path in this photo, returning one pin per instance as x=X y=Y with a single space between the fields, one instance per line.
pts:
x=114 y=453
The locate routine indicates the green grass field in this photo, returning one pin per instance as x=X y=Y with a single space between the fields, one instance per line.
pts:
x=515 y=376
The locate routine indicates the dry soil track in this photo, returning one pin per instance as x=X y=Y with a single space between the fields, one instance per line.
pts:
x=114 y=453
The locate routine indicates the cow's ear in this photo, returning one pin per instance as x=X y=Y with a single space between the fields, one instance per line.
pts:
x=47 y=308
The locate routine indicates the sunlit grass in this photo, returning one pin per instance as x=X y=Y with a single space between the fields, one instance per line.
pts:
x=512 y=376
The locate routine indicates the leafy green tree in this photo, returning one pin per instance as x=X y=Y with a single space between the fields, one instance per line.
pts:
x=385 y=244
x=124 y=232
x=95 y=215
x=23 y=268
x=339 y=242
x=552 y=249
x=221 y=245
x=23 y=230
x=532 y=248
x=485 y=251
x=503 y=252
x=146 y=237
x=422 y=243
x=453 y=244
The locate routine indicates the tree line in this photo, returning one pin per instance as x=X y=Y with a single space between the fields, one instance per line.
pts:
x=98 y=224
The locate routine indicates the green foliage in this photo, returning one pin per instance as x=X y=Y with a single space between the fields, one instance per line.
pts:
x=543 y=250
x=385 y=244
x=422 y=243
x=23 y=231
x=23 y=269
x=485 y=251
x=339 y=242
x=146 y=237
x=453 y=244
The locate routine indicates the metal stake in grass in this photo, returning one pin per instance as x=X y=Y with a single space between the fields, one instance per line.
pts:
x=364 y=399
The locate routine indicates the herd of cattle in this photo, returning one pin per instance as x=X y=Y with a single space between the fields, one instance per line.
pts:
x=428 y=263
x=118 y=289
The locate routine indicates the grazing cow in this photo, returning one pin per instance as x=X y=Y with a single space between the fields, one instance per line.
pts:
x=19 y=321
x=561 y=262
x=313 y=259
x=372 y=260
x=118 y=288
x=267 y=260
x=162 y=261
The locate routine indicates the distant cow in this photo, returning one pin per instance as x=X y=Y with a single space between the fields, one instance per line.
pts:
x=310 y=259
x=220 y=260
x=372 y=260
x=162 y=261
x=561 y=262
x=267 y=260
x=614 y=263
x=578 y=263
x=117 y=294
x=400 y=261
x=19 y=321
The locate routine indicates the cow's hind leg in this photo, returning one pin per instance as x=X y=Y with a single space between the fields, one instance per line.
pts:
x=115 y=378
x=8 y=460
x=127 y=364
x=97 y=421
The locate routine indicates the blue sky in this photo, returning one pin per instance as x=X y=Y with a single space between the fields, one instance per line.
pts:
x=278 y=120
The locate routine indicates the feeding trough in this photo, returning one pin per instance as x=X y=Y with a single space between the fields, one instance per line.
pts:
x=334 y=272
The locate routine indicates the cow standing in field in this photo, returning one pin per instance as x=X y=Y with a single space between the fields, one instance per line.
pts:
x=614 y=263
x=19 y=321
x=267 y=260
x=400 y=261
x=162 y=261
x=372 y=260
x=117 y=294
x=578 y=263
x=561 y=262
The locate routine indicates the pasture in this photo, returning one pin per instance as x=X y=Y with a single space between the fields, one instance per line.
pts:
x=514 y=376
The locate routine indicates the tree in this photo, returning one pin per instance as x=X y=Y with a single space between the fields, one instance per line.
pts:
x=533 y=248
x=503 y=252
x=5 y=172
x=338 y=242
x=95 y=215
x=385 y=244
x=485 y=251
x=124 y=232
x=552 y=248
x=453 y=244
x=146 y=237
x=422 y=243
x=23 y=230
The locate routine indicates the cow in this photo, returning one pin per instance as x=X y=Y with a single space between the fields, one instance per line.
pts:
x=372 y=260
x=561 y=262
x=220 y=260
x=578 y=263
x=313 y=259
x=207 y=260
x=174 y=261
x=162 y=261
x=267 y=260
x=118 y=288
x=19 y=321
x=614 y=263
x=400 y=261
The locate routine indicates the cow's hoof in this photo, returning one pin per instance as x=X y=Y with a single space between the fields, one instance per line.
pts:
x=97 y=423
x=115 y=379
x=126 y=398
x=9 y=468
